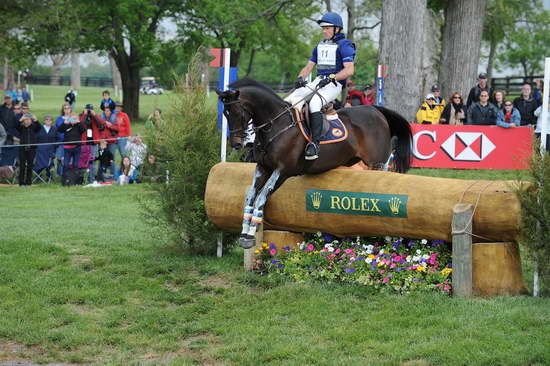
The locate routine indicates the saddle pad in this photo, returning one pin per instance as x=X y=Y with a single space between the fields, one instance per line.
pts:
x=336 y=131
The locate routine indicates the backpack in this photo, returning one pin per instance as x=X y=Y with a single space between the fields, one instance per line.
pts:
x=71 y=177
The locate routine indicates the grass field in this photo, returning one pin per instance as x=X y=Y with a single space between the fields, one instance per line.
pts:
x=81 y=281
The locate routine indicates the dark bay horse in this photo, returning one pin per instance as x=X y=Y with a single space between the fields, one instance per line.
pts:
x=279 y=145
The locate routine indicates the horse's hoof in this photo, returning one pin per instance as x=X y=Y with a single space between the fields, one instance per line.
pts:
x=247 y=242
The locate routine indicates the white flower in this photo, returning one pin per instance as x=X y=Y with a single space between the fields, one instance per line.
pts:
x=330 y=249
x=335 y=242
x=368 y=260
x=418 y=251
x=302 y=245
x=388 y=239
x=319 y=234
x=328 y=245
x=369 y=251
x=416 y=258
x=408 y=259
x=425 y=256
x=424 y=241
x=381 y=251
x=370 y=247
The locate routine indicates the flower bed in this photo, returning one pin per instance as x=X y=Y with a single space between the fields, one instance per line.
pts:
x=388 y=264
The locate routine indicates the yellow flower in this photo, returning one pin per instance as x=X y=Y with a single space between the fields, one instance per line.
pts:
x=264 y=245
x=446 y=271
x=421 y=269
x=379 y=264
x=257 y=251
x=372 y=256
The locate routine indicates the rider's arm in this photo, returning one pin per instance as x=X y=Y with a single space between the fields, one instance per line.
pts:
x=346 y=72
x=307 y=69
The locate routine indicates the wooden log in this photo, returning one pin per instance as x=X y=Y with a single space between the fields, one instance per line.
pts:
x=347 y=202
x=497 y=269
x=462 y=250
x=281 y=239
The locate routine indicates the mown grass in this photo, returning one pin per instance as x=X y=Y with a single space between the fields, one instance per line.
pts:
x=83 y=281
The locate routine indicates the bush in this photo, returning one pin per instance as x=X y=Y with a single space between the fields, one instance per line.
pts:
x=535 y=216
x=188 y=143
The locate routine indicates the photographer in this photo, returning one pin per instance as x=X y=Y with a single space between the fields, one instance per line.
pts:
x=28 y=128
x=72 y=130
x=95 y=131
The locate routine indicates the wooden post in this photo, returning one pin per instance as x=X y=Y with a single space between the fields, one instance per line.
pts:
x=462 y=250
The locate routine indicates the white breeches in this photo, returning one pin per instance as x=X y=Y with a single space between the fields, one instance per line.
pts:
x=328 y=93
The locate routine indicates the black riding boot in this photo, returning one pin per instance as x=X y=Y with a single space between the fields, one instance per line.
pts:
x=316 y=122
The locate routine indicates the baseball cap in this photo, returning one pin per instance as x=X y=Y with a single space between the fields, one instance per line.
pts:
x=435 y=87
x=119 y=104
x=430 y=96
x=482 y=75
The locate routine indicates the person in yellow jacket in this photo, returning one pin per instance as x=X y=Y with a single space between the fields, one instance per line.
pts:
x=428 y=113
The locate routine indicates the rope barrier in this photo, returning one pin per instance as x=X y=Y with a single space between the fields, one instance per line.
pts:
x=469 y=224
x=77 y=142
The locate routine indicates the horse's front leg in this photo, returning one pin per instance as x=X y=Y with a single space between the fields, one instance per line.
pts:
x=260 y=177
x=249 y=239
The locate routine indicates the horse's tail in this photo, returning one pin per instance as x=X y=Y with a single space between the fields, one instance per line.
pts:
x=400 y=128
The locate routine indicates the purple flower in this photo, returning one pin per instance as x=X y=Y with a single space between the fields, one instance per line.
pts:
x=350 y=270
x=450 y=265
x=328 y=238
x=274 y=261
x=286 y=249
x=374 y=263
x=373 y=268
x=280 y=265
x=416 y=279
x=400 y=269
x=272 y=246
x=360 y=258
x=410 y=243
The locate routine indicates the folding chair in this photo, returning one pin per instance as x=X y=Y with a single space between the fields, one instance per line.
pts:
x=37 y=174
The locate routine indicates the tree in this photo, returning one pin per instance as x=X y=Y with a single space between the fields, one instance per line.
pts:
x=401 y=51
x=461 y=45
x=528 y=43
x=57 y=61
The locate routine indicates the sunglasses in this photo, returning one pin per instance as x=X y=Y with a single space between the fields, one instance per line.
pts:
x=456 y=97
x=507 y=105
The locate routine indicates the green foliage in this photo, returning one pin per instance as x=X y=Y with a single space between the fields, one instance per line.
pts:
x=535 y=218
x=366 y=62
x=188 y=143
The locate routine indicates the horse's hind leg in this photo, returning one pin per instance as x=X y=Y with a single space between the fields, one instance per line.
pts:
x=247 y=241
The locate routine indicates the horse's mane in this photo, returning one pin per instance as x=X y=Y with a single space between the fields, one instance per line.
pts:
x=251 y=82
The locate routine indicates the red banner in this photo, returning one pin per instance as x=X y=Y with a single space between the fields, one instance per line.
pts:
x=217 y=54
x=471 y=147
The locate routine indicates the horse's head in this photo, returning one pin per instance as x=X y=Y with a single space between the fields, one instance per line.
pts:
x=237 y=116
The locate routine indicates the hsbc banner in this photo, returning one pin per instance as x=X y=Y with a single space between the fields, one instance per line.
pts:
x=471 y=147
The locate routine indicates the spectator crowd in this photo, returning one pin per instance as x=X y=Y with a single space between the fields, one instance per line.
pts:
x=79 y=147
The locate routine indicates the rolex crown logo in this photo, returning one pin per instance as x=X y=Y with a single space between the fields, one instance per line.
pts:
x=395 y=203
x=316 y=199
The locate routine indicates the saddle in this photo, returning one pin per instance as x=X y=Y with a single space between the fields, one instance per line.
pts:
x=333 y=128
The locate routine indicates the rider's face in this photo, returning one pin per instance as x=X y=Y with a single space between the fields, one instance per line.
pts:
x=328 y=32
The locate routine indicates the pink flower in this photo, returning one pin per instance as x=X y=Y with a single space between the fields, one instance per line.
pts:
x=397 y=258
x=310 y=248
x=330 y=256
x=273 y=251
x=348 y=251
x=337 y=251
x=393 y=254
x=382 y=271
x=386 y=279
x=446 y=288
x=324 y=250
x=393 y=265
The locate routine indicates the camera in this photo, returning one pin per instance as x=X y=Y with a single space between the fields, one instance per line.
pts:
x=90 y=107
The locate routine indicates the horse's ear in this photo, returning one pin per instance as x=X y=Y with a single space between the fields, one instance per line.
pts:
x=236 y=93
x=218 y=91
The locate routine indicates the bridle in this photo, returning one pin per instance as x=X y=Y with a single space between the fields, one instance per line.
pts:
x=243 y=111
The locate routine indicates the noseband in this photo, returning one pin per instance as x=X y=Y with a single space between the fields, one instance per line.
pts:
x=243 y=116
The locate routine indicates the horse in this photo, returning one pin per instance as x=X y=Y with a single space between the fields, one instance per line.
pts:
x=279 y=145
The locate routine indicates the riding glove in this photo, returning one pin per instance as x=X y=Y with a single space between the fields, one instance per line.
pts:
x=324 y=82
x=300 y=82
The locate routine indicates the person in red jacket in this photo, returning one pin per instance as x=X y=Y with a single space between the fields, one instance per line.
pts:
x=122 y=128
x=355 y=97
x=96 y=130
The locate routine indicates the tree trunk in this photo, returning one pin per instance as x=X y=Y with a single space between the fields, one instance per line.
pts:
x=401 y=51
x=250 y=62
x=461 y=45
x=431 y=51
x=9 y=77
x=75 y=70
x=350 y=5
x=491 y=61
x=115 y=74
x=129 y=74
x=57 y=62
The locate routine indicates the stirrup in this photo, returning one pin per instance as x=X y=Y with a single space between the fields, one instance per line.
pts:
x=312 y=151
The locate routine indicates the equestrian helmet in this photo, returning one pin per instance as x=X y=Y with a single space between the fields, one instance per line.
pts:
x=331 y=19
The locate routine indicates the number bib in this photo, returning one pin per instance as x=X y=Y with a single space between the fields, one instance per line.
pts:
x=326 y=56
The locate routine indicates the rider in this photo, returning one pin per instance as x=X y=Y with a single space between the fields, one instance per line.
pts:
x=334 y=57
